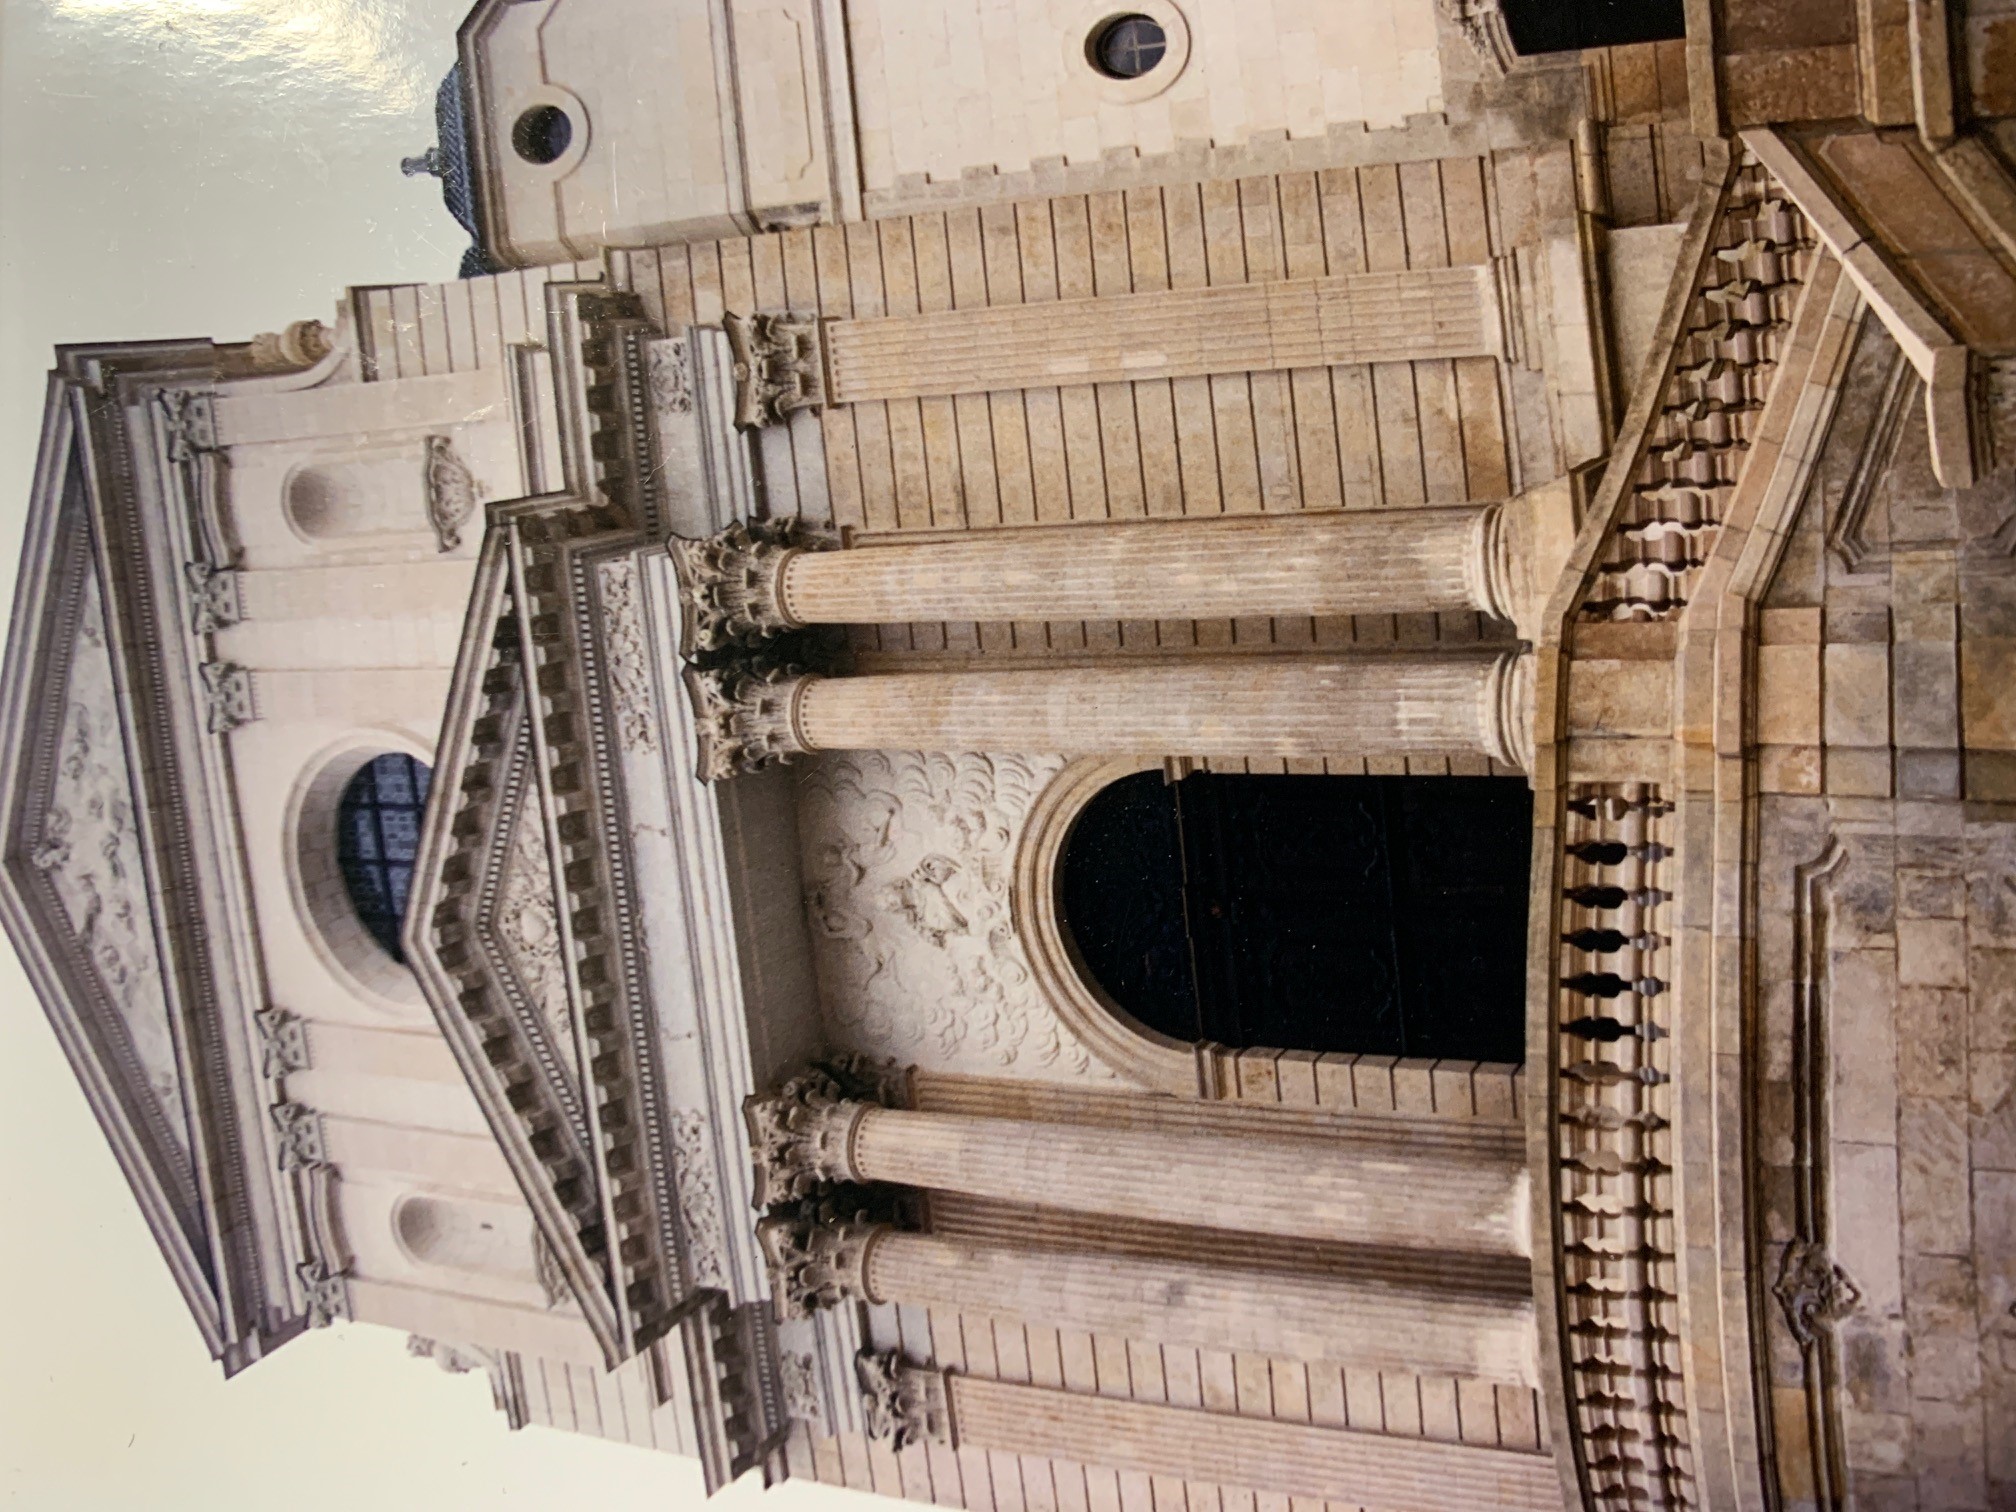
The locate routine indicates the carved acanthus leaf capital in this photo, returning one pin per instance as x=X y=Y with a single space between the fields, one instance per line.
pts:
x=1812 y=1290
x=818 y=1257
x=902 y=1403
x=731 y=585
x=802 y=1137
x=779 y=366
x=746 y=717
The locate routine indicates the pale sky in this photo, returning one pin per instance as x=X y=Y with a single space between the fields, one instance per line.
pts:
x=215 y=168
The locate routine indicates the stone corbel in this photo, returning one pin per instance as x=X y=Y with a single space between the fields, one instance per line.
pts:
x=326 y=1292
x=283 y=1042
x=801 y=1137
x=227 y=695
x=299 y=1130
x=190 y=421
x=731 y=585
x=904 y=1404
x=779 y=366
x=746 y=717
x=1813 y=1291
x=214 y=601
x=818 y=1257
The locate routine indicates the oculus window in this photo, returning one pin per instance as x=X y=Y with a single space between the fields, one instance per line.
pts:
x=1126 y=47
x=377 y=836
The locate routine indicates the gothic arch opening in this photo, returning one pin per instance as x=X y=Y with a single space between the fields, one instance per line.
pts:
x=1375 y=915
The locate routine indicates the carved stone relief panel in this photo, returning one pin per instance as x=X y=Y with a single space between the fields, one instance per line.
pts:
x=908 y=861
x=89 y=850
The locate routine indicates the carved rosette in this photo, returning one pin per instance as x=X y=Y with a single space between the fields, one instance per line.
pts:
x=731 y=585
x=818 y=1257
x=1812 y=1290
x=746 y=717
x=802 y=1137
x=779 y=366
x=901 y=1403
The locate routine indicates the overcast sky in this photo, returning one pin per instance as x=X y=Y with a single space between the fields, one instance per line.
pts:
x=215 y=168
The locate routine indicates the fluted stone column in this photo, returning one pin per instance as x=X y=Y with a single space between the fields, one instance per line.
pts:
x=1471 y=702
x=1383 y=1319
x=764 y=578
x=1451 y=1195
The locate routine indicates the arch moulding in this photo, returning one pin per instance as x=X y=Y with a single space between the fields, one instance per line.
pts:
x=1142 y=1056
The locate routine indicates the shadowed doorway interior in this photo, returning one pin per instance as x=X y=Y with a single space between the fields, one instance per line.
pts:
x=1376 y=915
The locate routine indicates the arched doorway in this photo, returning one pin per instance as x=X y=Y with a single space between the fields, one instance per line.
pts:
x=1377 y=915
x=1544 y=26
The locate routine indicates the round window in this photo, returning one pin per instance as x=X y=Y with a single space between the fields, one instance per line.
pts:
x=377 y=837
x=542 y=133
x=1126 y=47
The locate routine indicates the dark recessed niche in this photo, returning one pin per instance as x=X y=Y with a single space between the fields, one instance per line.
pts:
x=1126 y=47
x=542 y=134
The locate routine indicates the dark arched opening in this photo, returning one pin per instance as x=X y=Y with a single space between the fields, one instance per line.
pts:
x=1542 y=26
x=1376 y=915
x=377 y=837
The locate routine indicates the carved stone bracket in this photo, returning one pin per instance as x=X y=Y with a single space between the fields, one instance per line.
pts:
x=227 y=693
x=903 y=1404
x=283 y=1042
x=746 y=717
x=326 y=1292
x=818 y=1257
x=301 y=345
x=190 y=422
x=214 y=601
x=300 y=1136
x=780 y=366
x=1812 y=1290
x=731 y=585
x=451 y=492
x=801 y=1137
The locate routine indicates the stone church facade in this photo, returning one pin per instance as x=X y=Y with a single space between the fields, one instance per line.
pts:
x=888 y=438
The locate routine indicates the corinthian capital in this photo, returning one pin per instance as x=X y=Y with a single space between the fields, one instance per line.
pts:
x=779 y=365
x=903 y=1403
x=746 y=717
x=818 y=1257
x=731 y=585
x=802 y=1137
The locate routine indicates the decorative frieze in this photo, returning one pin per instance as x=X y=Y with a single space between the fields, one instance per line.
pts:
x=730 y=584
x=214 y=600
x=779 y=366
x=818 y=1256
x=746 y=717
x=626 y=657
x=451 y=492
x=227 y=696
x=903 y=1404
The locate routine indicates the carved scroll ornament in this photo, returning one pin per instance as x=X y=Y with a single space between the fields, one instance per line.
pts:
x=451 y=492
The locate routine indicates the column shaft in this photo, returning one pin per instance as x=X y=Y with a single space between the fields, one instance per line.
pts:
x=1329 y=562
x=1339 y=1319
x=1358 y=1191
x=1388 y=704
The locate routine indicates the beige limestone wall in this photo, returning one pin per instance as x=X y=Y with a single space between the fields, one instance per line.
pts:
x=968 y=85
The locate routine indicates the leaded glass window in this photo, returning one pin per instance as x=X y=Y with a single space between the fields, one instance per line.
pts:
x=377 y=837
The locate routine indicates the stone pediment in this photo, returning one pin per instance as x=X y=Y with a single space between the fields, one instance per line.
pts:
x=118 y=884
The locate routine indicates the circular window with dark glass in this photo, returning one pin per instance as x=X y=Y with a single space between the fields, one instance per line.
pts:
x=377 y=837
x=1126 y=47
x=542 y=133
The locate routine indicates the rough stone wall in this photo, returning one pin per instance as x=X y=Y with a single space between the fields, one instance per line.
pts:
x=1887 y=971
